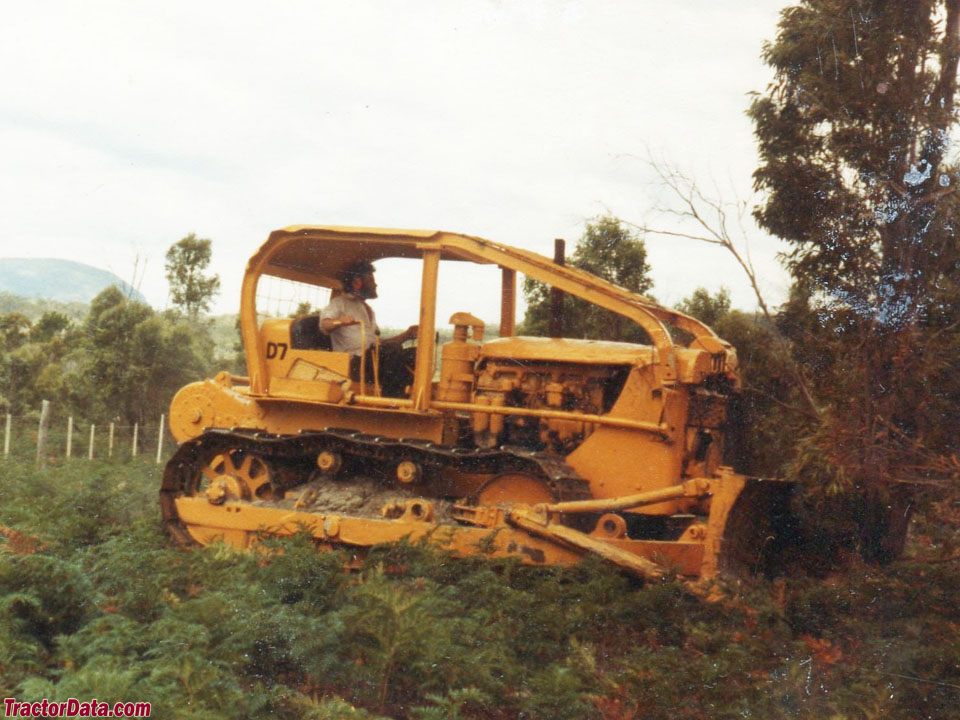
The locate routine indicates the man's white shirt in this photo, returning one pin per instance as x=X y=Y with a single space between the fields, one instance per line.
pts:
x=350 y=338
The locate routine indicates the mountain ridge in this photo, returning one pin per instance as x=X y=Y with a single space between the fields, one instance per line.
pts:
x=58 y=279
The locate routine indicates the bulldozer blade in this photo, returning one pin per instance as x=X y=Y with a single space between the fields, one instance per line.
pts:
x=757 y=530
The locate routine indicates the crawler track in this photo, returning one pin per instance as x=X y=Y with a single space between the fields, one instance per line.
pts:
x=293 y=459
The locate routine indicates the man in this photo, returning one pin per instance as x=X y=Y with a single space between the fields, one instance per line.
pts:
x=352 y=327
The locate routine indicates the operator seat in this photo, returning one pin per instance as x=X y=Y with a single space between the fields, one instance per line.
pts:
x=306 y=334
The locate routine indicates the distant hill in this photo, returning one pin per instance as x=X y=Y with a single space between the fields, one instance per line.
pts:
x=65 y=281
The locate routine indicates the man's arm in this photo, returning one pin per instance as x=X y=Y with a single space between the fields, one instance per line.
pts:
x=409 y=334
x=329 y=324
x=333 y=316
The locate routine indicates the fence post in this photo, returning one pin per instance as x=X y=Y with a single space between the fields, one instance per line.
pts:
x=69 y=435
x=160 y=439
x=90 y=454
x=42 y=434
x=110 y=443
x=6 y=436
x=133 y=446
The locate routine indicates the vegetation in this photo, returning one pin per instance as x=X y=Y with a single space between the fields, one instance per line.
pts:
x=124 y=361
x=190 y=291
x=33 y=309
x=850 y=388
x=858 y=178
x=95 y=603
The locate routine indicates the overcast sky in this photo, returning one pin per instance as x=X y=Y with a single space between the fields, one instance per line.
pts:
x=124 y=126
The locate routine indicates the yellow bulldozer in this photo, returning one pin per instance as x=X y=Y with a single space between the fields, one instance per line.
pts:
x=544 y=449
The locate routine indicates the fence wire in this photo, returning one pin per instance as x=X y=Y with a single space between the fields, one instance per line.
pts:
x=82 y=440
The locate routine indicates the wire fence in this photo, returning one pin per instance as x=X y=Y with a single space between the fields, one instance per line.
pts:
x=51 y=434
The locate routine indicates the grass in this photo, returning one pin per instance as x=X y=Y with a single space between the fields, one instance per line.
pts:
x=95 y=603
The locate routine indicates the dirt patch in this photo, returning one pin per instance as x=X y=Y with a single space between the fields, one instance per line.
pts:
x=358 y=496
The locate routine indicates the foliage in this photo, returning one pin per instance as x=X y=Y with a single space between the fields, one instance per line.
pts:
x=853 y=136
x=100 y=605
x=35 y=308
x=186 y=261
x=35 y=366
x=711 y=310
x=859 y=179
x=50 y=325
x=135 y=359
x=124 y=361
x=14 y=330
x=225 y=333
x=610 y=251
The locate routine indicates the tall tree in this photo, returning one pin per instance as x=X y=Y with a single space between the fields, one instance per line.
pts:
x=134 y=360
x=854 y=137
x=186 y=261
x=611 y=251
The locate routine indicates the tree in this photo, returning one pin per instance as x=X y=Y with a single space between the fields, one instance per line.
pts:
x=135 y=359
x=612 y=252
x=50 y=325
x=14 y=330
x=853 y=137
x=186 y=261
x=709 y=309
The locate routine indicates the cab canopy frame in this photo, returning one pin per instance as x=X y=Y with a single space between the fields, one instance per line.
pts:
x=317 y=255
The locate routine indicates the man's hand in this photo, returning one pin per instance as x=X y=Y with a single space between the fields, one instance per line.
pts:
x=409 y=334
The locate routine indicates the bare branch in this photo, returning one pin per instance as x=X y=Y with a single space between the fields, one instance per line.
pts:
x=693 y=203
x=655 y=231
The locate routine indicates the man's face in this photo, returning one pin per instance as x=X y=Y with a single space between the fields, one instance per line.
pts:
x=365 y=286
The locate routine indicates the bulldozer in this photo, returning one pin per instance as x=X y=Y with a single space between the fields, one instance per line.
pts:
x=544 y=449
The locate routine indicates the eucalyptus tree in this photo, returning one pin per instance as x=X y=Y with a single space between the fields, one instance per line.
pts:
x=186 y=262
x=858 y=177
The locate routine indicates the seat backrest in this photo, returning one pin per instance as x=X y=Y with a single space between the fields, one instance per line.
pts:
x=305 y=334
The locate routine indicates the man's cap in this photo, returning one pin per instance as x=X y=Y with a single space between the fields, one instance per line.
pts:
x=356 y=269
